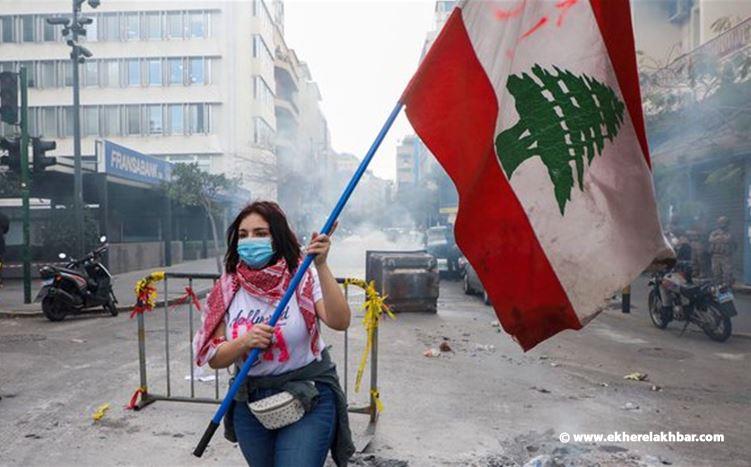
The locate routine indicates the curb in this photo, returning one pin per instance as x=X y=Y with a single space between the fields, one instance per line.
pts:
x=35 y=313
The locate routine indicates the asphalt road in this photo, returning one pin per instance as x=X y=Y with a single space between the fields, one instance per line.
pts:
x=482 y=403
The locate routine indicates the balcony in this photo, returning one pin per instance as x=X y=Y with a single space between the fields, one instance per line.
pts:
x=286 y=108
x=284 y=73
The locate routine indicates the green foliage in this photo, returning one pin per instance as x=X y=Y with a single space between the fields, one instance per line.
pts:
x=563 y=121
x=58 y=232
x=191 y=186
x=10 y=185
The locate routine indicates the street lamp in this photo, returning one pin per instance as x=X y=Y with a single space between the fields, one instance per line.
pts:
x=78 y=54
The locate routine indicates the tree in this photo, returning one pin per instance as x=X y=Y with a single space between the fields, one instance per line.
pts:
x=58 y=233
x=566 y=119
x=191 y=186
x=10 y=185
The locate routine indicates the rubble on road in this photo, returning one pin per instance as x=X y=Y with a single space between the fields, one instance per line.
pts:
x=630 y=406
x=432 y=353
x=636 y=376
x=445 y=347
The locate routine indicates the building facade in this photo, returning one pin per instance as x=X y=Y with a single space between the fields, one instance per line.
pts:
x=696 y=94
x=190 y=81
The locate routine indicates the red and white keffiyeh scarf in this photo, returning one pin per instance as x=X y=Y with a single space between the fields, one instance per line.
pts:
x=269 y=283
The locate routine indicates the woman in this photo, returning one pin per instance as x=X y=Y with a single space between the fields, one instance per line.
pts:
x=262 y=256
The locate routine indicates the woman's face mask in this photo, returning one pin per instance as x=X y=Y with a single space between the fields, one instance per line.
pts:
x=255 y=252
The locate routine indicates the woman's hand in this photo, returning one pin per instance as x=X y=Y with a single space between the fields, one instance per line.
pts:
x=258 y=337
x=320 y=246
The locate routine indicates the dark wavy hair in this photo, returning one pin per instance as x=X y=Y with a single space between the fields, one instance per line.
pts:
x=283 y=238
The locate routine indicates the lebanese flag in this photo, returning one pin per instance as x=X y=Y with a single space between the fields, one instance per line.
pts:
x=533 y=109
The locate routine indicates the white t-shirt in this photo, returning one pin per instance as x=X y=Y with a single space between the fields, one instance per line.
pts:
x=290 y=351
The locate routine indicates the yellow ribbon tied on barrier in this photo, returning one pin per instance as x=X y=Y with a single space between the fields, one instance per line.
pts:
x=146 y=292
x=374 y=306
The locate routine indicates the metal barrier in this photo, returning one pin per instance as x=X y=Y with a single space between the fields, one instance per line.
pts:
x=147 y=397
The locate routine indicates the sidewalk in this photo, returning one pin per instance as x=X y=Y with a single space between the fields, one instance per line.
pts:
x=11 y=296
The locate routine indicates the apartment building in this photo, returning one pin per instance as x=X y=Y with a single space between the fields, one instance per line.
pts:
x=189 y=81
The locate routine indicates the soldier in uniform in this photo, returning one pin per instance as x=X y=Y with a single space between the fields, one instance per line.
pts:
x=697 y=253
x=721 y=248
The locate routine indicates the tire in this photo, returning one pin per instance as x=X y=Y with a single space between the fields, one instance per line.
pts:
x=723 y=328
x=54 y=310
x=485 y=298
x=467 y=288
x=655 y=310
x=111 y=308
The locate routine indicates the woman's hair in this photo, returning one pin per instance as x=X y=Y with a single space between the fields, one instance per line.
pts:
x=283 y=238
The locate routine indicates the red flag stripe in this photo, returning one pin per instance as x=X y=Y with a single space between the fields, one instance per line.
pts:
x=453 y=108
x=614 y=20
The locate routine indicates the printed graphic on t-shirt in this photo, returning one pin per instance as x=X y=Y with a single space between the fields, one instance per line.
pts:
x=290 y=348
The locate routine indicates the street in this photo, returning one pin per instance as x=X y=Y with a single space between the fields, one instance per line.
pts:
x=482 y=403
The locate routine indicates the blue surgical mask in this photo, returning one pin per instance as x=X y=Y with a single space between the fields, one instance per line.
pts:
x=255 y=252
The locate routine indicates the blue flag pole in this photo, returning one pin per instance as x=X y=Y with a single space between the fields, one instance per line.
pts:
x=254 y=354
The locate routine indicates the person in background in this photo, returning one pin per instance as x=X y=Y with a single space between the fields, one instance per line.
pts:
x=722 y=246
x=697 y=253
x=4 y=227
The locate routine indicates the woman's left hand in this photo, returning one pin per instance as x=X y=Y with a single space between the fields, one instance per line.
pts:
x=320 y=245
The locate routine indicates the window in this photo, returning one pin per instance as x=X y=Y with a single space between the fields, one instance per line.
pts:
x=91 y=73
x=90 y=121
x=175 y=24
x=49 y=30
x=47 y=75
x=134 y=72
x=110 y=120
x=197 y=118
x=27 y=21
x=154 y=115
x=8 y=28
x=196 y=71
x=263 y=134
x=155 y=72
x=260 y=11
x=33 y=128
x=175 y=71
x=49 y=122
x=153 y=26
x=197 y=24
x=111 y=73
x=110 y=27
x=262 y=92
x=262 y=52
x=67 y=73
x=92 y=30
x=176 y=119
x=68 y=122
x=134 y=119
x=131 y=27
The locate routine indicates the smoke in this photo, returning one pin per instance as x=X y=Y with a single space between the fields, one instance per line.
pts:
x=347 y=257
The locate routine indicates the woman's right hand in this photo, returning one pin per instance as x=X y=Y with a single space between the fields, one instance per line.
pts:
x=258 y=337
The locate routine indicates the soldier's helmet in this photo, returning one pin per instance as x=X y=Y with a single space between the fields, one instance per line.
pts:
x=723 y=221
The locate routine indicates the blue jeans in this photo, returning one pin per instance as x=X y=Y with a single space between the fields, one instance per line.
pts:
x=305 y=443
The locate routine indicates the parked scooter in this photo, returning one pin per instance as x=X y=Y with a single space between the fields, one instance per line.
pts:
x=709 y=306
x=79 y=286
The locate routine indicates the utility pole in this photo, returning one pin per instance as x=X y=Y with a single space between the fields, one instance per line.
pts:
x=77 y=173
x=25 y=182
x=78 y=54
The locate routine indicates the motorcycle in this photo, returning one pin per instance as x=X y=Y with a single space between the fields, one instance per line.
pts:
x=77 y=287
x=710 y=306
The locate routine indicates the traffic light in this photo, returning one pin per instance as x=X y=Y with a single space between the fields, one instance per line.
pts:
x=9 y=97
x=40 y=161
x=13 y=159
